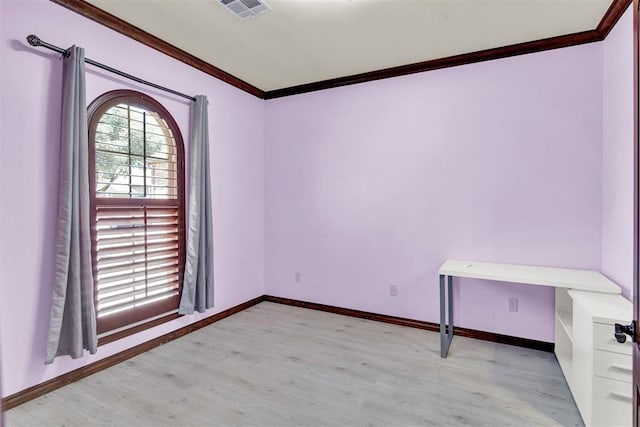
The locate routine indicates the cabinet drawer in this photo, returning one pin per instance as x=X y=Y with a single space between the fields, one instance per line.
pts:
x=611 y=403
x=612 y=365
x=603 y=339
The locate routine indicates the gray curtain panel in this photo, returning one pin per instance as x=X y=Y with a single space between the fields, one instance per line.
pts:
x=197 y=291
x=73 y=317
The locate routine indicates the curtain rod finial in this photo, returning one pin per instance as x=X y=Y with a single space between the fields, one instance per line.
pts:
x=34 y=40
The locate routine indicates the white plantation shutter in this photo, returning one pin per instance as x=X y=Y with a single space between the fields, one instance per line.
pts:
x=138 y=256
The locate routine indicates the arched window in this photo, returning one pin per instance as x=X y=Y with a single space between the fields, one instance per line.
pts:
x=137 y=186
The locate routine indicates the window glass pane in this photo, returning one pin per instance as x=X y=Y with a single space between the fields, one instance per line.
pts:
x=137 y=142
x=112 y=129
x=135 y=155
x=137 y=124
x=119 y=110
x=157 y=148
x=112 y=146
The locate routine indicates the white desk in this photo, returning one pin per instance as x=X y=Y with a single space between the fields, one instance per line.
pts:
x=583 y=280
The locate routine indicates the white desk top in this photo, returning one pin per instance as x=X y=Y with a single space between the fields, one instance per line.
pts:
x=604 y=308
x=584 y=280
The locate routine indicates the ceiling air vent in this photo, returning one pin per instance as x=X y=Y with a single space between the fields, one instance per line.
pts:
x=246 y=8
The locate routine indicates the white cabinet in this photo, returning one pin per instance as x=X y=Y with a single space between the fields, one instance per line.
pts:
x=596 y=367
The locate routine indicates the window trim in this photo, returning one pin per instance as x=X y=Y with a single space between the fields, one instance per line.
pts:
x=112 y=330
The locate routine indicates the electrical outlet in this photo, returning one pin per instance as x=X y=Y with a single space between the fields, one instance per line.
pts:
x=513 y=304
x=298 y=277
x=393 y=290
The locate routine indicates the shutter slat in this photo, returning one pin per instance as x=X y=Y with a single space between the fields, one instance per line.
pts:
x=132 y=304
x=137 y=260
x=138 y=222
x=123 y=222
x=108 y=254
x=111 y=291
x=140 y=274
x=103 y=222
x=136 y=230
x=136 y=226
x=136 y=212
x=105 y=290
x=119 y=213
x=112 y=211
x=110 y=241
x=118 y=298
x=138 y=296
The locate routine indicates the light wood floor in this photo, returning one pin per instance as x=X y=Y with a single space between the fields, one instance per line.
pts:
x=276 y=365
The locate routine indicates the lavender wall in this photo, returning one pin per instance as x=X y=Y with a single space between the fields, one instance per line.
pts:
x=617 y=154
x=378 y=183
x=364 y=186
x=30 y=104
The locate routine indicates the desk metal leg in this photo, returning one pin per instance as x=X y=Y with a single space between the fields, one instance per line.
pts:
x=446 y=301
x=450 y=296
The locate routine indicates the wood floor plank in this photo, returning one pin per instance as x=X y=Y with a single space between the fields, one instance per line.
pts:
x=277 y=365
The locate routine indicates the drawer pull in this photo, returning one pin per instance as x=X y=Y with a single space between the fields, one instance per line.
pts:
x=622 y=368
x=621 y=330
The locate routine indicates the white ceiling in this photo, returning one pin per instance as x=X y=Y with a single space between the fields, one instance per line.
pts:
x=304 y=41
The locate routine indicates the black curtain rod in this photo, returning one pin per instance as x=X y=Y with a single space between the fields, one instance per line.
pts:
x=35 y=41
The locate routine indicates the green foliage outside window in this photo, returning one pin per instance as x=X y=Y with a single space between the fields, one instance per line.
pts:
x=125 y=137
